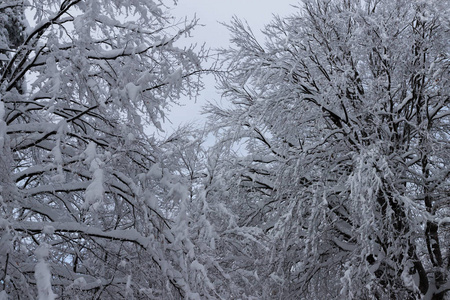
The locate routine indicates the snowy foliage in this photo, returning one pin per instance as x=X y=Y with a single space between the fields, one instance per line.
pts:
x=77 y=171
x=343 y=187
x=329 y=178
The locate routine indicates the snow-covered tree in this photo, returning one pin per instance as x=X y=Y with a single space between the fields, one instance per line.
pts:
x=89 y=205
x=342 y=191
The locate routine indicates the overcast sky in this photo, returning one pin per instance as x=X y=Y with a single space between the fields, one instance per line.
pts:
x=211 y=13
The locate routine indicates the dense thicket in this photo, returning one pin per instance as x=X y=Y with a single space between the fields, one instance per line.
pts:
x=342 y=189
x=90 y=206
x=329 y=178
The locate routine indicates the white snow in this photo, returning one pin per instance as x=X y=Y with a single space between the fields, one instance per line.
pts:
x=276 y=278
x=133 y=91
x=3 y=295
x=2 y=110
x=48 y=229
x=196 y=266
x=78 y=23
x=409 y=281
x=94 y=192
x=2 y=124
x=130 y=137
x=52 y=70
x=123 y=263
x=43 y=275
x=90 y=153
x=80 y=281
x=175 y=77
x=155 y=171
x=444 y=221
x=128 y=290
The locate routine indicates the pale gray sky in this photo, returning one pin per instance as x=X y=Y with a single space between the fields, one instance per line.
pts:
x=211 y=13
